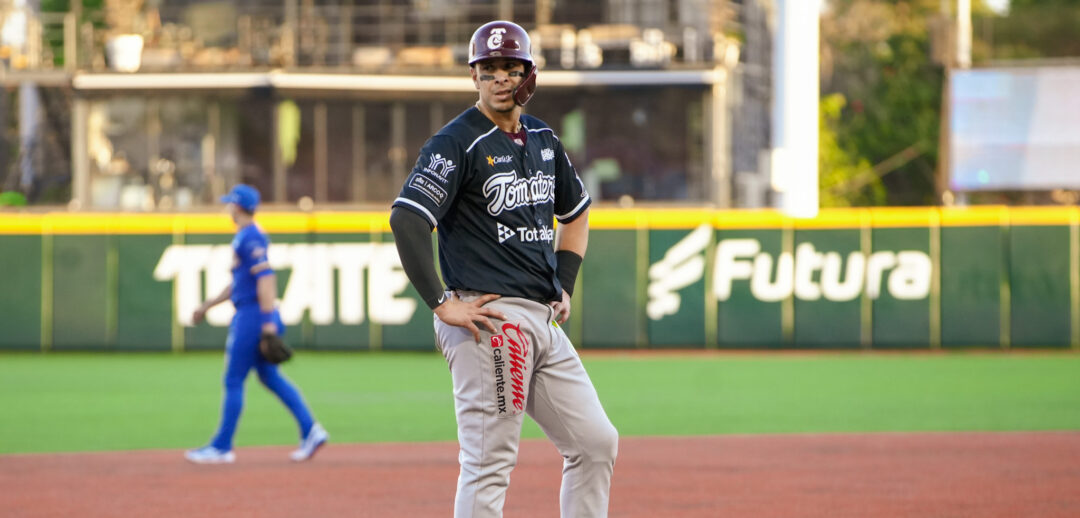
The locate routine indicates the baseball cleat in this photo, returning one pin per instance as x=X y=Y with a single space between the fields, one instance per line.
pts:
x=316 y=437
x=210 y=455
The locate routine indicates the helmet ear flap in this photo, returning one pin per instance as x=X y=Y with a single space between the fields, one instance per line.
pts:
x=525 y=89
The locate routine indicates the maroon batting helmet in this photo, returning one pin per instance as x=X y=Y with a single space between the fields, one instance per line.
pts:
x=502 y=39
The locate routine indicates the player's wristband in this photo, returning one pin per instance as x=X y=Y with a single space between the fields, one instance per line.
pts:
x=568 y=265
x=266 y=317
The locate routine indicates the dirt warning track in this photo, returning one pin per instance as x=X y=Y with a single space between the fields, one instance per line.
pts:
x=880 y=475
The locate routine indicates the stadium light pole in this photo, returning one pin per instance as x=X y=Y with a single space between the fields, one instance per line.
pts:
x=796 y=71
x=963 y=34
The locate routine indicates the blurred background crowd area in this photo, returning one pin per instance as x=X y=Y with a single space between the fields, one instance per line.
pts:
x=163 y=104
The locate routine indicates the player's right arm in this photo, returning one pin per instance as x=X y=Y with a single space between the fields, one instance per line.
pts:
x=200 y=312
x=426 y=197
x=412 y=236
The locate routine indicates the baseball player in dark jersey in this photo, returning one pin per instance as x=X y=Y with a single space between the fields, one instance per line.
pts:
x=492 y=182
x=253 y=293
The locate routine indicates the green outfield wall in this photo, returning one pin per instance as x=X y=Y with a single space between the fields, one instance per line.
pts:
x=888 y=278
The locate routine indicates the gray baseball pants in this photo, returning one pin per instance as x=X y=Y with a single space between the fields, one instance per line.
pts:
x=528 y=367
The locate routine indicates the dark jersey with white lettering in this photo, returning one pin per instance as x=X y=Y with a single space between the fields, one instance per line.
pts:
x=494 y=203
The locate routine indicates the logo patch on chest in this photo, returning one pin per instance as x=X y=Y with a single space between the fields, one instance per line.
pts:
x=499 y=159
x=547 y=154
x=543 y=233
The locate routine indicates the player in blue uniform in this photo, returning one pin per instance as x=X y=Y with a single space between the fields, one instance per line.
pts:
x=493 y=181
x=253 y=292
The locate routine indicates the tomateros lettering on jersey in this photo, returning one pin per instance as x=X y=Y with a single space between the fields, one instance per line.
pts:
x=368 y=279
x=508 y=192
x=807 y=274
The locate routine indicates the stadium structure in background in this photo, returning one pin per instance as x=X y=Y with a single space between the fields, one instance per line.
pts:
x=164 y=105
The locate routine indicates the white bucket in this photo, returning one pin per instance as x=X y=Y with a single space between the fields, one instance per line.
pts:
x=124 y=52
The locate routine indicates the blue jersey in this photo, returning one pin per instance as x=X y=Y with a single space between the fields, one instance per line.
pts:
x=494 y=203
x=249 y=263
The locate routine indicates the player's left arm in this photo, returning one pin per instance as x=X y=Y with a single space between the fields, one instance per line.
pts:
x=571 y=240
x=572 y=235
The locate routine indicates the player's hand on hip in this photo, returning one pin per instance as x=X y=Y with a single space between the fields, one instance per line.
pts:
x=561 y=307
x=457 y=312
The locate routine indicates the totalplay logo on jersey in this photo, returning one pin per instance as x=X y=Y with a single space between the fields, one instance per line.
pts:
x=508 y=192
x=525 y=234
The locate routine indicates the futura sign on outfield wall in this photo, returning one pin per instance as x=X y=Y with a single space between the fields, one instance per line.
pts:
x=807 y=274
x=200 y=272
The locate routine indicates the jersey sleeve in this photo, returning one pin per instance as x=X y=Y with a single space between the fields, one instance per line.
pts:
x=571 y=198
x=252 y=252
x=433 y=183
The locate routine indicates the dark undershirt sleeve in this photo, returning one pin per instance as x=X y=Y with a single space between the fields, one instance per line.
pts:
x=412 y=235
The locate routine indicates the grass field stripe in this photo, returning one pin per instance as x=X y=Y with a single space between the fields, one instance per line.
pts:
x=155 y=400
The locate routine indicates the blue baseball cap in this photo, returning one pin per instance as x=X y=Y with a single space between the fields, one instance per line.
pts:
x=244 y=196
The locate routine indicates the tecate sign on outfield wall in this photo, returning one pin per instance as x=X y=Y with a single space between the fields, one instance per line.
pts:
x=203 y=271
x=808 y=274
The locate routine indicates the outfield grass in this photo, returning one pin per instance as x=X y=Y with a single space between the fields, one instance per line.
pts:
x=80 y=402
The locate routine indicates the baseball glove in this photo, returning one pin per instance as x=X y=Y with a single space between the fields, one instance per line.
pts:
x=273 y=348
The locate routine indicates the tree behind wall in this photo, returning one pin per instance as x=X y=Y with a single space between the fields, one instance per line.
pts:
x=877 y=55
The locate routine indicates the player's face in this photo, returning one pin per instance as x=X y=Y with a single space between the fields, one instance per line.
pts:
x=496 y=79
x=234 y=211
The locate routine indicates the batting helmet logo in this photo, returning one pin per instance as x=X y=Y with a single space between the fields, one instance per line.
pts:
x=495 y=41
x=502 y=39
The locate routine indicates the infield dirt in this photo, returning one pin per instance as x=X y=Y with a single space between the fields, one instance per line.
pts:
x=857 y=475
